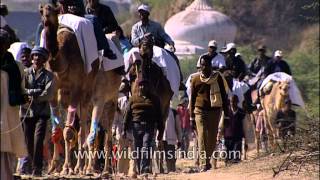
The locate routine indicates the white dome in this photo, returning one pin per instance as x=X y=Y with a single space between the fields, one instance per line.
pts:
x=197 y=25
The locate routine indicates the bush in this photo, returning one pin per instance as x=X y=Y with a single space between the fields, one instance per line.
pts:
x=304 y=62
x=188 y=66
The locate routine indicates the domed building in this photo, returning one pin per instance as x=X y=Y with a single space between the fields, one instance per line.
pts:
x=199 y=23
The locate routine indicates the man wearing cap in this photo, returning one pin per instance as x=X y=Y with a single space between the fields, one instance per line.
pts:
x=145 y=25
x=143 y=116
x=235 y=64
x=260 y=61
x=207 y=99
x=277 y=64
x=25 y=57
x=218 y=62
x=39 y=86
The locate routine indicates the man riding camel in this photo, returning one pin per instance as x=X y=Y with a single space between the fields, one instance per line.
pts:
x=277 y=65
x=261 y=61
x=77 y=8
x=105 y=15
x=145 y=27
x=234 y=63
x=218 y=61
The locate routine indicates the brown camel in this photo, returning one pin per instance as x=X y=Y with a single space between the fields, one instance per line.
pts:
x=145 y=68
x=79 y=90
x=273 y=103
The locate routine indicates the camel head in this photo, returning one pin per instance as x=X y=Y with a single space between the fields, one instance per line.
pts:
x=146 y=47
x=49 y=15
x=283 y=91
x=284 y=88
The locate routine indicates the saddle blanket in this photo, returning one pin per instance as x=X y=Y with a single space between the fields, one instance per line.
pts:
x=86 y=38
x=108 y=64
x=294 y=92
x=164 y=60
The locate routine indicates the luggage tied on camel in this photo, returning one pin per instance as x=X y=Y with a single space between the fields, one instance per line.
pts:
x=294 y=92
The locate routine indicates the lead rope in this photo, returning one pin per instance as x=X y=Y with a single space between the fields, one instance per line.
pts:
x=24 y=118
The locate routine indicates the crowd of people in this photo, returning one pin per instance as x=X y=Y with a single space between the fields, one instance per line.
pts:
x=210 y=112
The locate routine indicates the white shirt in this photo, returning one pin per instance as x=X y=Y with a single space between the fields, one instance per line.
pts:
x=217 y=62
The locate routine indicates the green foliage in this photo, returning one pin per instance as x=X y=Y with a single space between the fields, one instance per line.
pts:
x=188 y=66
x=305 y=68
x=247 y=53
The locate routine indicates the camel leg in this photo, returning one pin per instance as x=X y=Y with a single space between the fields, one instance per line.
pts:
x=256 y=133
x=91 y=159
x=55 y=113
x=270 y=135
x=54 y=165
x=98 y=104
x=257 y=142
x=79 y=168
x=108 y=116
x=67 y=158
x=68 y=135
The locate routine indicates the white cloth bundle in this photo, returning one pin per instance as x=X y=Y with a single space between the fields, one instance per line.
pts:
x=294 y=92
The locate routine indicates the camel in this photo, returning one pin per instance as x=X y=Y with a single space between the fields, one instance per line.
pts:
x=79 y=91
x=273 y=103
x=145 y=68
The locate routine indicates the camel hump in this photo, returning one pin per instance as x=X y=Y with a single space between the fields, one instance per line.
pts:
x=64 y=28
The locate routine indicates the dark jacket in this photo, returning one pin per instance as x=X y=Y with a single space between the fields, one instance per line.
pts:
x=258 y=63
x=277 y=66
x=105 y=16
x=41 y=89
x=233 y=127
x=200 y=95
x=237 y=66
x=15 y=93
x=140 y=109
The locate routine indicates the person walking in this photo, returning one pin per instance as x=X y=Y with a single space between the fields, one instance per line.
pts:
x=143 y=117
x=39 y=87
x=208 y=91
x=183 y=112
x=12 y=96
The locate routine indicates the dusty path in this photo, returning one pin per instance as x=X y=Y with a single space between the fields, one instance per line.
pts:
x=260 y=168
x=253 y=168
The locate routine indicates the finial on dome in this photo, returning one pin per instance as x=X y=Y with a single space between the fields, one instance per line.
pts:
x=200 y=5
